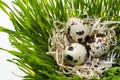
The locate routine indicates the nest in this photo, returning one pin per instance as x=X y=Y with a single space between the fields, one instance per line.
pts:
x=93 y=66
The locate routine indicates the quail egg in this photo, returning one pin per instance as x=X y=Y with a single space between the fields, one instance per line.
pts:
x=75 y=54
x=98 y=45
x=77 y=30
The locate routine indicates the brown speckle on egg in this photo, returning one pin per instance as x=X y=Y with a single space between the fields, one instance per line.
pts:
x=68 y=31
x=95 y=65
x=70 y=48
x=104 y=49
x=69 y=57
x=105 y=44
x=72 y=23
x=87 y=38
x=97 y=47
x=91 y=24
x=80 y=40
x=91 y=39
x=80 y=33
x=75 y=61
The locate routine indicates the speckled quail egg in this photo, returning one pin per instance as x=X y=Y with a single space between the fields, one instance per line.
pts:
x=77 y=30
x=75 y=54
x=98 y=45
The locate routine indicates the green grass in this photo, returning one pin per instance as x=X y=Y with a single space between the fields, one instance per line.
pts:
x=33 y=20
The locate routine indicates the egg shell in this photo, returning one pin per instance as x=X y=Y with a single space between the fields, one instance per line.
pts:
x=75 y=54
x=77 y=30
x=98 y=45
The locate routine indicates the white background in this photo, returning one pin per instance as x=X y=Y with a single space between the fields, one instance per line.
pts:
x=7 y=68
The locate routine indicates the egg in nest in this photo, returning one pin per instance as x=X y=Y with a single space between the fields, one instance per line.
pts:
x=77 y=29
x=75 y=54
x=98 y=45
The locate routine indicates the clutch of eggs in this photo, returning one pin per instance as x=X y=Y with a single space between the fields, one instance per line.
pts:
x=77 y=29
x=75 y=54
x=98 y=45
